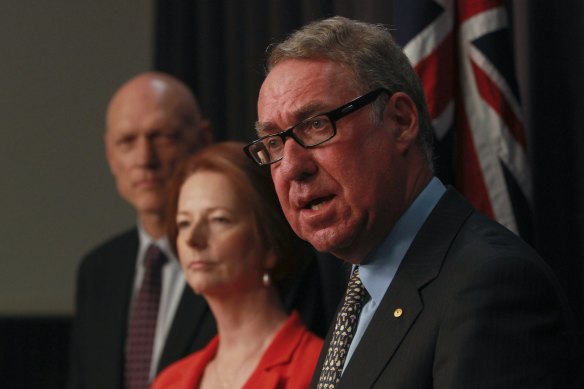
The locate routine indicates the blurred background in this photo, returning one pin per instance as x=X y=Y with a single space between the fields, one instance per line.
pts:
x=62 y=60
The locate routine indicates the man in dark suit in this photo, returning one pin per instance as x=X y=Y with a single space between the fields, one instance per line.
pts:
x=440 y=296
x=152 y=122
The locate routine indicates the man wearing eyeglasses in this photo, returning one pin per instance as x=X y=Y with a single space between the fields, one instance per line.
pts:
x=440 y=296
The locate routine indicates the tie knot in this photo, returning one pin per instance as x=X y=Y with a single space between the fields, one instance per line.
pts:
x=155 y=258
x=356 y=292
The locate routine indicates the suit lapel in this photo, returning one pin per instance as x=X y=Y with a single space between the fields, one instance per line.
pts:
x=192 y=327
x=374 y=351
x=402 y=303
x=119 y=286
x=324 y=349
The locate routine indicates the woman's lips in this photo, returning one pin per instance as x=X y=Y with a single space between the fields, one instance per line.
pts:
x=199 y=265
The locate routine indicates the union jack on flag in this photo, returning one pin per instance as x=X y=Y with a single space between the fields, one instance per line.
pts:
x=461 y=49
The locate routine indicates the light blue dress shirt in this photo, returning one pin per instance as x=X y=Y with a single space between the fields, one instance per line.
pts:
x=379 y=267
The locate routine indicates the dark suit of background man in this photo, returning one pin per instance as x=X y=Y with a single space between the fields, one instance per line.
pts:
x=152 y=121
x=455 y=299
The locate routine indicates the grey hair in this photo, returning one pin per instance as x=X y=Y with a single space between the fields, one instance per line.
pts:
x=369 y=52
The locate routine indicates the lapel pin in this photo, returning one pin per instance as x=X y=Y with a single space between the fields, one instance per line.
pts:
x=398 y=312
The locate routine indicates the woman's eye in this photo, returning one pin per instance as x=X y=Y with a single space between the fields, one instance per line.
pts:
x=220 y=219
x=181 y=224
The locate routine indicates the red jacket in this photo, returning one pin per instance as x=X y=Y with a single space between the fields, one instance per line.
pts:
x=288 y=363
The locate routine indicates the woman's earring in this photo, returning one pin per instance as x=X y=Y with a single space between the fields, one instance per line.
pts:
x=266 y=279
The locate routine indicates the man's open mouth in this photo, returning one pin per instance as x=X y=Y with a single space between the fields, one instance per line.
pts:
x=317 y=204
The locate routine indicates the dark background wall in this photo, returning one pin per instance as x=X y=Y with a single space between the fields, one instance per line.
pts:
x=555 y=63
x=61 y=61
x=218 y=48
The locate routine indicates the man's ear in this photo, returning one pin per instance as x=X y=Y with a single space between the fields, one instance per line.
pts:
x=403 y=114
x=205 y=133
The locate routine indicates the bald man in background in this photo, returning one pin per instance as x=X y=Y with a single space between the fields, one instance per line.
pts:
x=152 y=121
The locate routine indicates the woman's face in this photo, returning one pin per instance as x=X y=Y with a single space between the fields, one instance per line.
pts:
x=217 y=245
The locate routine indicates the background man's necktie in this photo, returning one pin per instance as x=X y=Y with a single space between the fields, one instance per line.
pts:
x=142 y=322
x=345 y=327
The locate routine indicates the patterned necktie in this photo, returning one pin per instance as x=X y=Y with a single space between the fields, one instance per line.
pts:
x=345 y=327
x=142 y=322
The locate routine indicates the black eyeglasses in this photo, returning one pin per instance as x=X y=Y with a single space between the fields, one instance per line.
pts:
x=308 y=133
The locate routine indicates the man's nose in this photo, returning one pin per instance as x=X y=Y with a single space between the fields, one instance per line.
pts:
x=297 y=162
x=146 y=154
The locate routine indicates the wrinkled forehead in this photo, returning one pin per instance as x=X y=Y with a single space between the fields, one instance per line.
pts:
x=296 y=89
x=148 y=122
x=154 y=102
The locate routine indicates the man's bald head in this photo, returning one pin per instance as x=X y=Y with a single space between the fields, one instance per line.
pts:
x=161 y=90
x=153 y=121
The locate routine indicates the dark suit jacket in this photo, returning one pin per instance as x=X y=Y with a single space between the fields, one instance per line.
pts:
x=480 y=310
x=104 y=286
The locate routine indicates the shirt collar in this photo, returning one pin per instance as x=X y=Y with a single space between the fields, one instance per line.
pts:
x=162 y=243
x=379 y=267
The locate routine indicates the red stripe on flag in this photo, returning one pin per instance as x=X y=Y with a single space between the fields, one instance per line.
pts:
x=437 y=74
x=491 y=93
x=469 y=8
x=469 y=177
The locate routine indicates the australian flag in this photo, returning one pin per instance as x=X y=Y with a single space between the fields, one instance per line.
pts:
x=463 y=54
